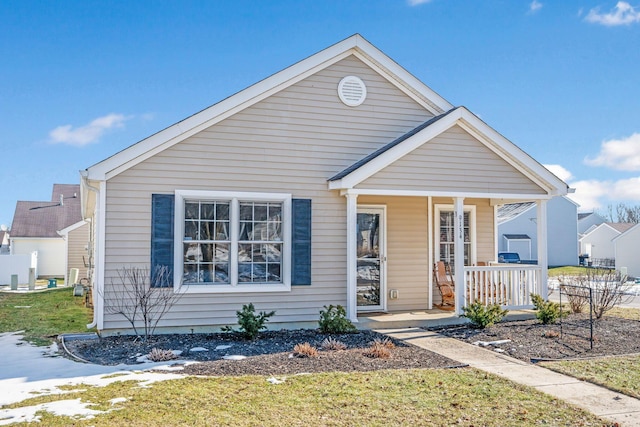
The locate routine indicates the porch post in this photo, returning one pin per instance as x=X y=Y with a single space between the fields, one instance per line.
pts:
x=458 y=251
x=541 y=213
x=352 y=265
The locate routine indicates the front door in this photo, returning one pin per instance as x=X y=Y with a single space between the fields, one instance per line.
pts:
x=371 y=294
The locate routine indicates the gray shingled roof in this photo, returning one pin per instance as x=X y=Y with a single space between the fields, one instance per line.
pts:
x=512 y=210
x=378 y=152
x=621 y=227
x=44 y=219
x=584 y=215
x=517 y=236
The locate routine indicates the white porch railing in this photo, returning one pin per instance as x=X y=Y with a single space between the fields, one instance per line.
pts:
x=509 y=285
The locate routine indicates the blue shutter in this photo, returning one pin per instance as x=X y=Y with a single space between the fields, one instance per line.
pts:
x=301 y=242
x=162 y=212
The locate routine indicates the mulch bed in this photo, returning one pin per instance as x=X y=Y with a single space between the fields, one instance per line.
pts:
x=272 y=352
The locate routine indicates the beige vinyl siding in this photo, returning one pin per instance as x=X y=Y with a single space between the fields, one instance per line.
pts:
x=77 y=241
x=407 y=250
x=291 y=142
x=453 y=161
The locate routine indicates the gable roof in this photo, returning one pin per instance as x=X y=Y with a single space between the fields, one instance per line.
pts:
x=626 y=232
x=617 y=227
x=517 y=236
x=355 y=45
x=459 y=116
x=620 y=227
x=44 y=219
x=584 y=215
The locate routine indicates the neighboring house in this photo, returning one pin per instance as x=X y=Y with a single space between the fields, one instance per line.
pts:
x=517 y=230
x=587 y=221
x=598 y=243
x=626 y=251
x=339 y=180
x=53 y=229
x=4 y=241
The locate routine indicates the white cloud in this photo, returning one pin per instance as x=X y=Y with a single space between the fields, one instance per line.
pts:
x=88 y=133
x=594 y=194
x=560 y=172
x=417 y=2
x=535 y=6
x=619 y=154
x=622 y=14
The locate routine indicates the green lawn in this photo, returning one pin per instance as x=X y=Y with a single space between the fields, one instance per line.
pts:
x=567 y=271
x=382 y=398
x=44 y=314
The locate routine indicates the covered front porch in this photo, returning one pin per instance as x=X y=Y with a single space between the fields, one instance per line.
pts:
x=431 y=196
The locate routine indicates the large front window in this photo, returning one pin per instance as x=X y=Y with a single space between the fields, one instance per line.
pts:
x=232 y=241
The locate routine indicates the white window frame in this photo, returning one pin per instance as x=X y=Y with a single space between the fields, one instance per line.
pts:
x=234 y=199
x=472 y=230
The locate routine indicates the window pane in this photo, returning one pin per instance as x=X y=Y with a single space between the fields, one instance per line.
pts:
x=274 y=273
x=275 y=231
x=192 y=252
x=246 y=231
x=244 y=272
x=222 y=253
x=207 y=252
x=221 y=273
x=222 y=211
x=206 y=273
x=259 y=212
x=272 y=252
x=191 y=230
x=275 y=212
x=191 y=210
x=207 y=211
x=244 y=252
x=190 y=274
x=207 y=230
x=222 y=230
x=246 y=211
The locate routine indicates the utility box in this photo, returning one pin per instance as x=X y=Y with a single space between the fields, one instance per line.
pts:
x=52 y=283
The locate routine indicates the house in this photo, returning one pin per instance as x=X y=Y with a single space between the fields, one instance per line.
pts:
x=4 y=240
x=587 y=221
x=626 y=251
x=517 y=230
x=338 y=180
x=55 y=230
x=598 y=243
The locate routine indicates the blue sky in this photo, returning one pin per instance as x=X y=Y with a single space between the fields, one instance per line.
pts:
x=81 y=80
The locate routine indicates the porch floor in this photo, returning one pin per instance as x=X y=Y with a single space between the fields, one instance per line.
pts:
x=424 y=319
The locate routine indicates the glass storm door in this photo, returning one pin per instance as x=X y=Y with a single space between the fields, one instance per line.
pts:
x=370 y=294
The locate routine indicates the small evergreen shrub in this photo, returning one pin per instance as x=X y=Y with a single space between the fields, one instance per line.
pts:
x=333 y=320
x=332 y=344
x=547 y=312
x=250 y=323
x=305 y=350
x=482 y=315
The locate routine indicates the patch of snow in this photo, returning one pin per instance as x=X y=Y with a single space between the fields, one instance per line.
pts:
x=197 y=349
x=71 y=408
x=223 y=347
x=117 y=400
x=234 y=357
x=274 y=380
x=176 y=352
x=488 y=343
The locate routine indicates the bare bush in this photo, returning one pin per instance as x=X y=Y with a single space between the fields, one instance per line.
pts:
x=378 y=350
x=332 y=344
x=608 y=287
x=577 y=293
x=141 y=299
x=158 y=355
x=305 y=350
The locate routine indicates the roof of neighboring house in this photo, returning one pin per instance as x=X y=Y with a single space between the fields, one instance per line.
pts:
x=512 y=210
x=584 y=215
x=517 y=236
x=44 y=219
x=620 y=227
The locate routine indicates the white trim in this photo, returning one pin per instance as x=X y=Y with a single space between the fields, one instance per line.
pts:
x=431 y=251
x=543 y=262
x=352 y=263
x=625 y=232
x=419 y=193
x=354 y=45
x=496 y=233
x=382 y=210
x=72 y=227
x=458 y=252
x=99 y=266
x=504 y=148
x=234 y=286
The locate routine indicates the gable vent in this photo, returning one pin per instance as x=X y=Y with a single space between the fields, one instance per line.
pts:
x=352 y=91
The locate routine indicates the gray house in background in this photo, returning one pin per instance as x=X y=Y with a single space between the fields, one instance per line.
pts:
x=517 y=230
x=587 y=221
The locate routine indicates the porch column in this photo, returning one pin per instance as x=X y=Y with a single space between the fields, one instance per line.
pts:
x=458 y=251
x=541 y=213
x=352 y=265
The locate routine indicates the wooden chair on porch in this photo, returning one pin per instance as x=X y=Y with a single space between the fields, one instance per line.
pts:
x=444 y=281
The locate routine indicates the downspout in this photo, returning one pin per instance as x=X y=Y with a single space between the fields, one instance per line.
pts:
x=85 y=182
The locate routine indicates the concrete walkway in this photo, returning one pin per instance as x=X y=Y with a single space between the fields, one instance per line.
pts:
x=600 y=401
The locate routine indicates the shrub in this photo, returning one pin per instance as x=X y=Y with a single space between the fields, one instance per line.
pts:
x=333 y=320
x=385 y=342
x=378 y=350
x=305 y=350
x=158 y=355
x=550 y=334
x=482 y=315
x=609 y=288
x=331 y=344
x=250 y=323
x=547 y=312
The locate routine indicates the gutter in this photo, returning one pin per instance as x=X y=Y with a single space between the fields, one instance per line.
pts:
x=84 y=181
